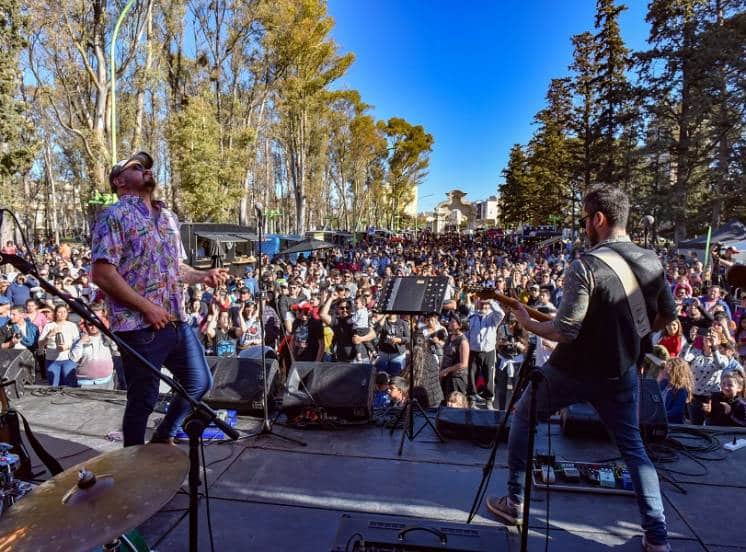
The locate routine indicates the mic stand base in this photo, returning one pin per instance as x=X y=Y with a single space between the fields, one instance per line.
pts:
x=194 y=426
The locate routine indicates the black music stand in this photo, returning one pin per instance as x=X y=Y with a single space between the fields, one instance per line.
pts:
x=412 y=295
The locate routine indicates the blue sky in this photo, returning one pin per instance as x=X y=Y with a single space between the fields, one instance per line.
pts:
x=473 y=73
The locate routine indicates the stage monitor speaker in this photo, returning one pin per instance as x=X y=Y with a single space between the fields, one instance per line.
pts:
x=478 y=426
x=18 y=365
x=582 y=420
x=238 y=384
x=344 y=390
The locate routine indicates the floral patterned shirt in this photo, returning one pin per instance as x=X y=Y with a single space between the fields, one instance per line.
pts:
x=147 y=251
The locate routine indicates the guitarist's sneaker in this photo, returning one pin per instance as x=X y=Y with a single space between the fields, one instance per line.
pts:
x=505 y=510
x=649 y=547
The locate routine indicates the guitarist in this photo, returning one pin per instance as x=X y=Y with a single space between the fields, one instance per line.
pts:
x=607 y=313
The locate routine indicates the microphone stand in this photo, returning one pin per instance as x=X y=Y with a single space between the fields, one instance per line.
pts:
x=267 y=426
x=194 y=424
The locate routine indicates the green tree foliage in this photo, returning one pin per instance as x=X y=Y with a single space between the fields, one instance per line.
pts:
x=307 y=62
x=211 y=179
x=17 y=145
x=612 y=89
x=517 y=193
x=584 y=68
x=551 y=155
x=675 y=140
x=407 y=163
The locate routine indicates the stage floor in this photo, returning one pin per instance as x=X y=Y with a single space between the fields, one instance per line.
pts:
x=271 y=495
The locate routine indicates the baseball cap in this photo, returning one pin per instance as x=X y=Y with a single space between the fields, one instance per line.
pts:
x=732 y=248
x=534 y=286
x=141 y=157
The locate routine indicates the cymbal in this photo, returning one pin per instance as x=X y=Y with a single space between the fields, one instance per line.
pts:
x=131 y=484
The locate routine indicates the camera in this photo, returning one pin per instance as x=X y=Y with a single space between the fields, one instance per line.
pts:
x=7 y=332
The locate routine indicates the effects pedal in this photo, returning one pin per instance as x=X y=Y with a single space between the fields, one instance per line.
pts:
x=606 y=478
x=547 y=474
x=570 y=473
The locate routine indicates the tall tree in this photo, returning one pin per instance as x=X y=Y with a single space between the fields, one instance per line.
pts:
x=612 y=88
x=551 y=155
x=584 y=68
x=17 y=143
x=407 y=163
x=306 y=61
x=672 y=72
x=518 y=191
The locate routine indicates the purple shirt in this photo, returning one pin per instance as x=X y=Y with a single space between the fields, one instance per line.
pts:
x=147 y=252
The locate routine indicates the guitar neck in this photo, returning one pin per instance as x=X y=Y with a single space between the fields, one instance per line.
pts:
x=511 y=302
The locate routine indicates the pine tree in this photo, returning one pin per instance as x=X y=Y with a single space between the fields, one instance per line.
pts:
x=550 y=155
x=612 y=88
x=517 y=193
x=584 y=68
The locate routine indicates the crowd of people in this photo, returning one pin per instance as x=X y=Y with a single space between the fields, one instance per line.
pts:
x=322 y=307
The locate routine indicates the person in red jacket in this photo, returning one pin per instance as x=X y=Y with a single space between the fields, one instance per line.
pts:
x=673 y=338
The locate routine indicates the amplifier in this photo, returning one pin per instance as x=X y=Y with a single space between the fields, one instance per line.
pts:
x=364 y=533
x=582 y=420
x=413 y=295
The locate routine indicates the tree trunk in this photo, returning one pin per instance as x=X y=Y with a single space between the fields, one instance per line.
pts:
x=52 y=193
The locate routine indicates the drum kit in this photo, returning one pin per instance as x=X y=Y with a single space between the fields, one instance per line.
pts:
x=91 y=506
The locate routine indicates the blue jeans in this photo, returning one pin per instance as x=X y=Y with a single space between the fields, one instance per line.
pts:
x=177 y=348
x=391 y=363
x=61 y=372
x=616 y=404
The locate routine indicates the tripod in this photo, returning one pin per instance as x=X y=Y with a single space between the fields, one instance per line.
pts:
x=267 y=428
x=412 y=403
x=528 y=376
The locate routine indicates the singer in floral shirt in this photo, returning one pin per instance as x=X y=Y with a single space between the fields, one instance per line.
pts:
x=138 y=262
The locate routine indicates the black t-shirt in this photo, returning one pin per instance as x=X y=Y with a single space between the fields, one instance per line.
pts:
x=306 y=338
x=224 y=344
x=343 y=348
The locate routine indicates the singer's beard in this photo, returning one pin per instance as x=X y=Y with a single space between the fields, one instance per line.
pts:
x=149 y=184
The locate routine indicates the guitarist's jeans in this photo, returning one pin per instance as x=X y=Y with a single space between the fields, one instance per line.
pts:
x=616 y=404
x=177 y=348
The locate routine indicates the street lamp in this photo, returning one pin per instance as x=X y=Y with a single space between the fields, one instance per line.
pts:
x=112 y=64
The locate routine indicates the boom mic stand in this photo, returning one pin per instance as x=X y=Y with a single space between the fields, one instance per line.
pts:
x=194 y=424
x=527 y=376
x=267 y=426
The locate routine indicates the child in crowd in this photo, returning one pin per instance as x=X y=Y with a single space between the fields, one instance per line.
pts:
x=457 y=400
x=361 y=327
x=381 y=398
x=673 y=338
x=676 y=383
x=728 y=406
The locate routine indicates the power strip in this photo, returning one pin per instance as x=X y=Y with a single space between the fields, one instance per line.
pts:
x=735 y=446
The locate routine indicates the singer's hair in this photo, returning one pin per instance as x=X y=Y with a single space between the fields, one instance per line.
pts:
x=611 y=201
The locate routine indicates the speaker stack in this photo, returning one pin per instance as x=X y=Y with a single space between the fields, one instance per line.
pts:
x=343 y=390
x=238 y=384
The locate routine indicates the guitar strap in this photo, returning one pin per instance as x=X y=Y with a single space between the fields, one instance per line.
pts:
x=635 y=298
